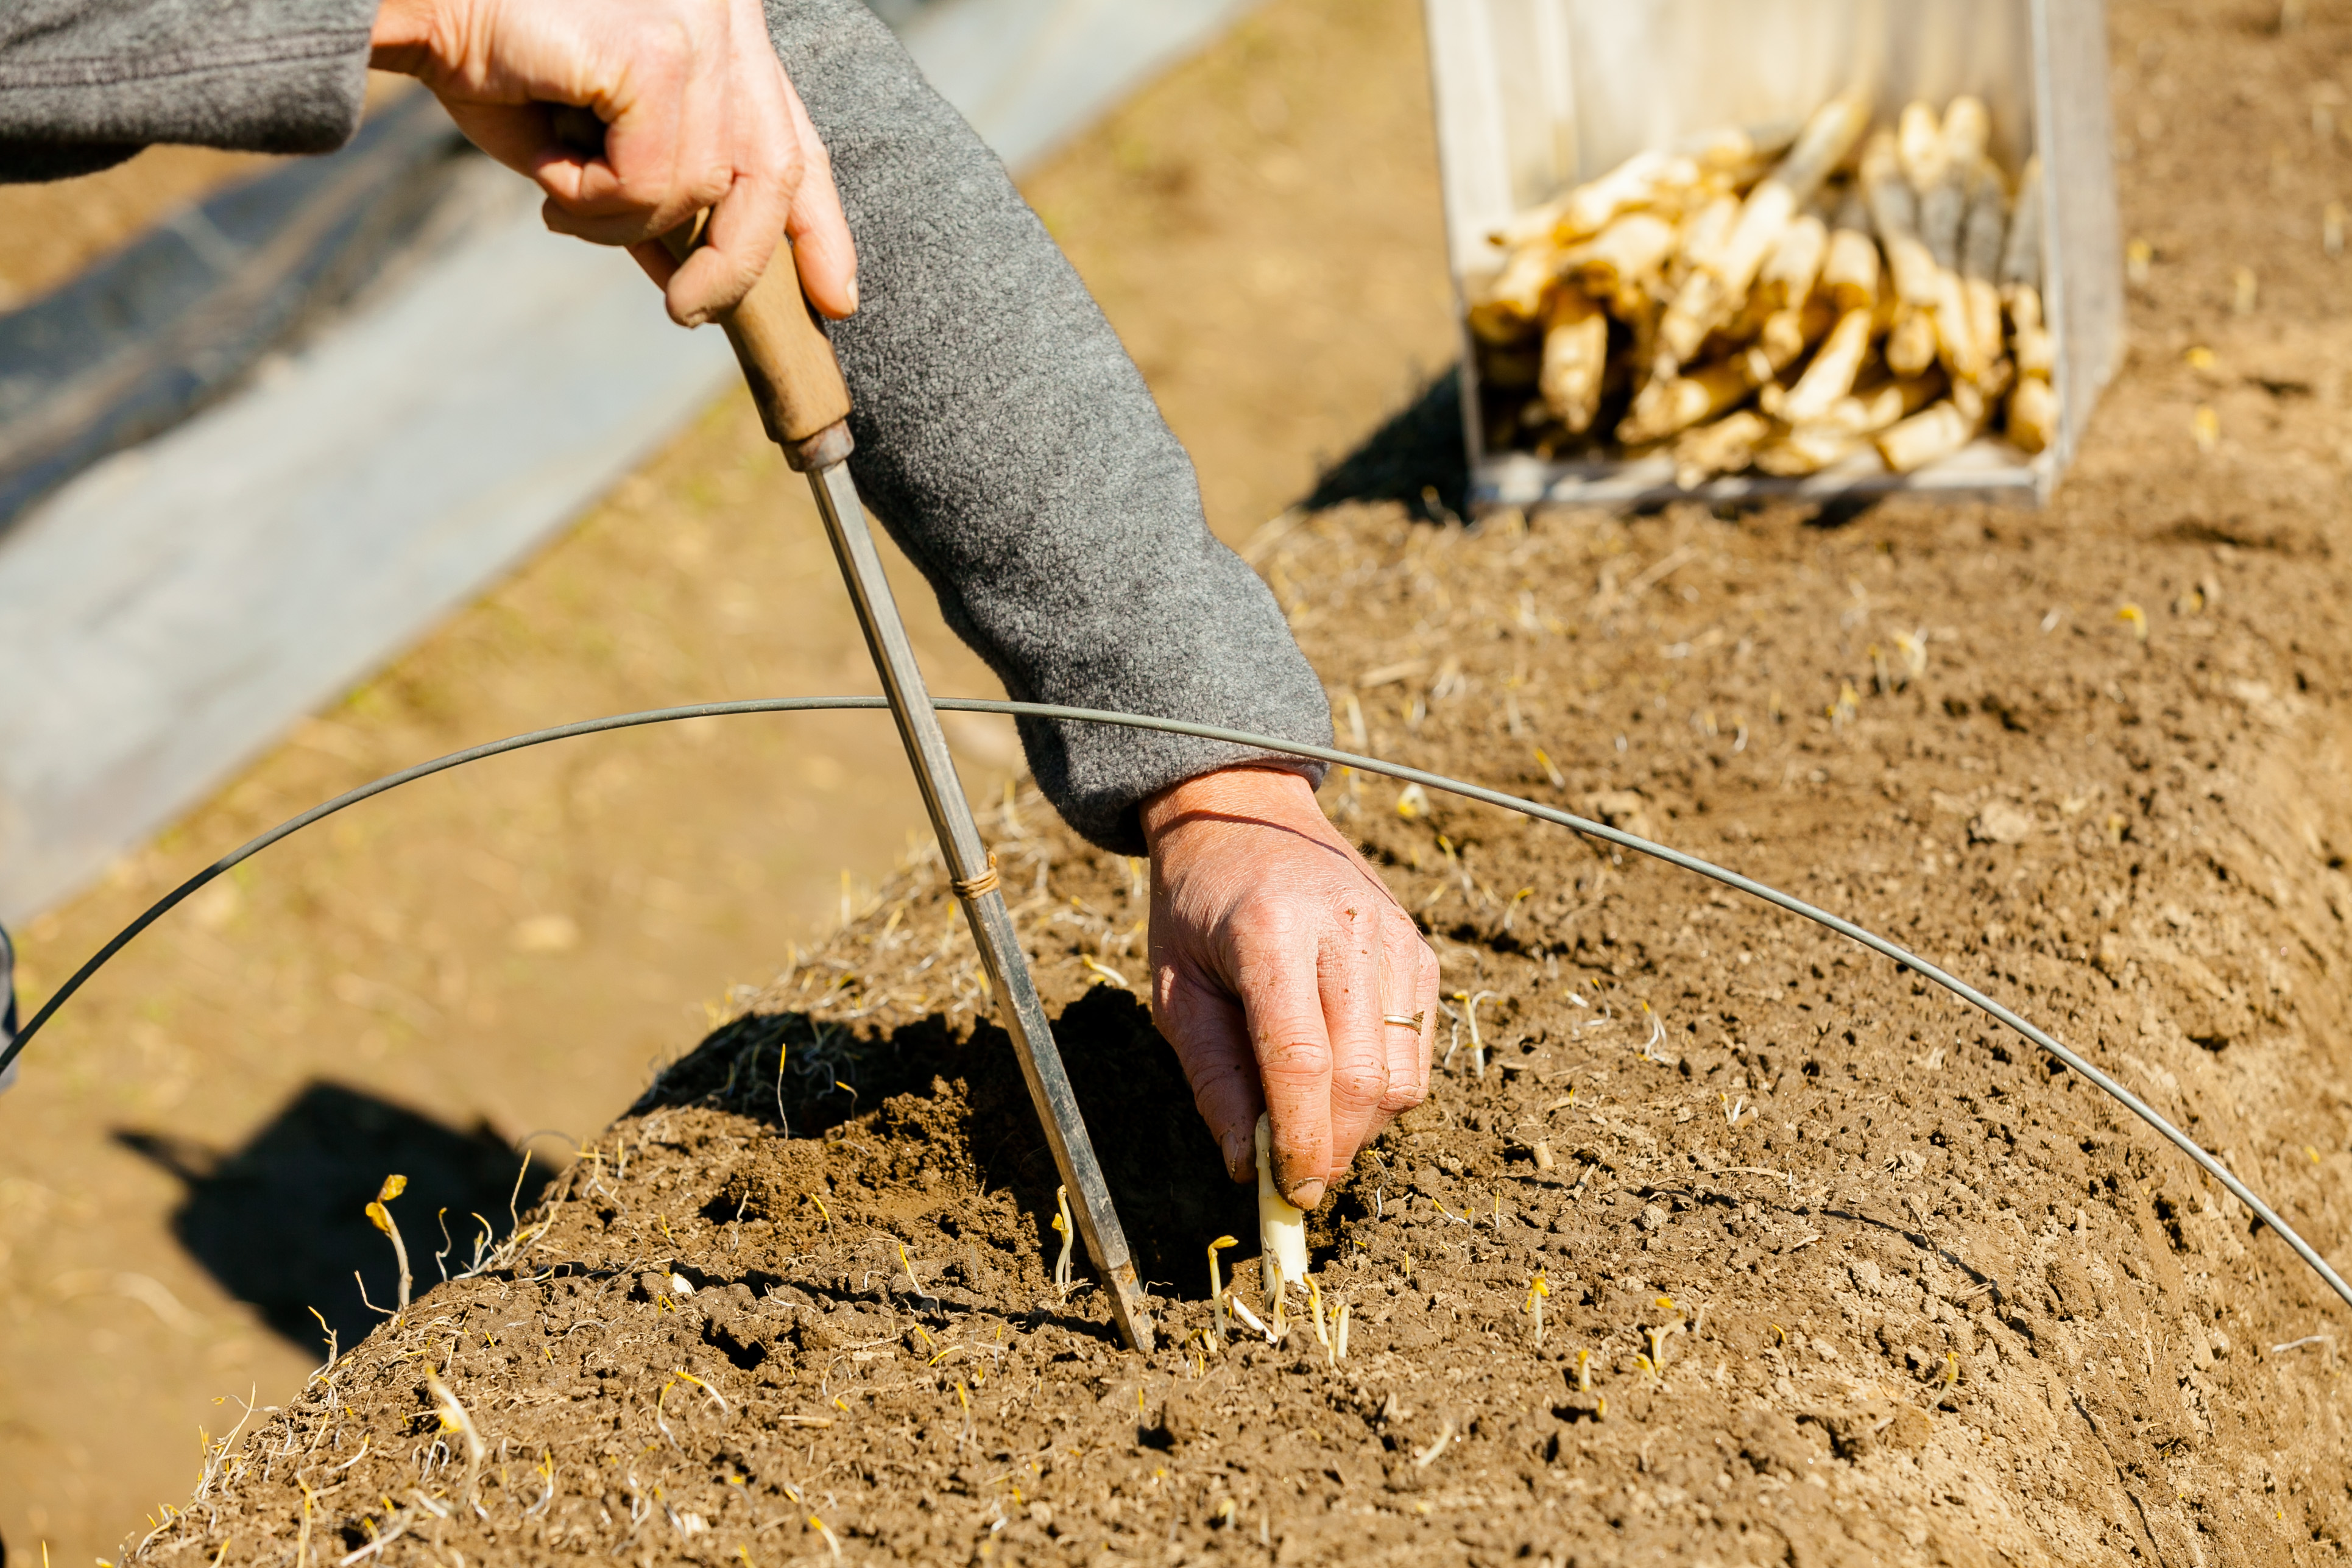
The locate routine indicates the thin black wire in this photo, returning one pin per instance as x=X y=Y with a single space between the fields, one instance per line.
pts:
x=1602 y=831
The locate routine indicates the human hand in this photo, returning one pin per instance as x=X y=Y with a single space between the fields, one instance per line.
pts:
x=698 y=114
x=1276 y=953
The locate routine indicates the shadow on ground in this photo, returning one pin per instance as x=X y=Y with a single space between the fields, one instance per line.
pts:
x=281 y=1223
x=1164 y=1172
x=1416 y=457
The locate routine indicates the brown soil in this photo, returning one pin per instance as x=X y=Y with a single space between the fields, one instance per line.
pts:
x=403 y=976
x=1926 y=1301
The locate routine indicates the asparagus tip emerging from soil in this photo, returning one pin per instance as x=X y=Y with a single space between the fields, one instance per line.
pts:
x=1281 y=1229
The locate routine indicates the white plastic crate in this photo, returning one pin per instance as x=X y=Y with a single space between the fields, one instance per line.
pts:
x=1536 y=96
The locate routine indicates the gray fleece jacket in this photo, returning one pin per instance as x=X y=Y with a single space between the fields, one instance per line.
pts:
x=1004 y=436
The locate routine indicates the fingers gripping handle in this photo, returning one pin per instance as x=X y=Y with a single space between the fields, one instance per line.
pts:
x=786 y=357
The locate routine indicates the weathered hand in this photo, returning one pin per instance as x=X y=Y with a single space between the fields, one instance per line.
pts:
x=698 y=113
x=1276 y=956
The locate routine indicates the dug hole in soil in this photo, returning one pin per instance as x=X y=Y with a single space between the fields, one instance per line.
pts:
x=1838 y=1270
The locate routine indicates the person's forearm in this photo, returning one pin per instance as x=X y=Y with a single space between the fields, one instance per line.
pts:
x=85 y=83
x=1009 y=443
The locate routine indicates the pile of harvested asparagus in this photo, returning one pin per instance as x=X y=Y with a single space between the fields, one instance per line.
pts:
x=1736 y=304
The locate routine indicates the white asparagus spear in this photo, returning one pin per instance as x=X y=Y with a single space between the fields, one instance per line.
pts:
x=1725 y=447
x=1719 y=284
x=1911 y=342
x=1885 y=405
x=1806 y=449
x=1895 y=212
x=1641 y=180
x=1507 y=309
x=1920 y=146
x=1575 y=358
x=2033 y=416
x=1832 y=373
x=1624 y=258
x=1785 y=337
x=2036 y=350
x=1281 y=1230
x=1981 y=248
x=1668 y=407
x=2020 y=256
x=1795 y=264
x=1928 y=436
x=1850 y=270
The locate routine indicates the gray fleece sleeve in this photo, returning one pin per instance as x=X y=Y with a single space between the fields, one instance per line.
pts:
x=1012 y=449
x=86 y=83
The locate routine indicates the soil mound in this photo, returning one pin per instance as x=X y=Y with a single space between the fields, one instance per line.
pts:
x=1837 y=1271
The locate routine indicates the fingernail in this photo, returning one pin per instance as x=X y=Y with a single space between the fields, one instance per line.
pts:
x=1306 y=1194
x=852 y=295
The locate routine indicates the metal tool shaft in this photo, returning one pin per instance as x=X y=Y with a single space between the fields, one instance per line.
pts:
x=984 y=902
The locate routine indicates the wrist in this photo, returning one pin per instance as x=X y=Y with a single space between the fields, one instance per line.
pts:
x=1245 y=792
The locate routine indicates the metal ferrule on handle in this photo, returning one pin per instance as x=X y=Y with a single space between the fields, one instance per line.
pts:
x=805 y=404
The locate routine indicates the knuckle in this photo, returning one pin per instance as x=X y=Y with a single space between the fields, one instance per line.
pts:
x=1363 y=1083
x=1403 y=1096
x=1289 y=1057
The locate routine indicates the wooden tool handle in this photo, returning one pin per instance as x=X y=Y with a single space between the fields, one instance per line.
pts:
x=786 y=357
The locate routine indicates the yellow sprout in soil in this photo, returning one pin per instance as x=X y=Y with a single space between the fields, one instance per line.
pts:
x=1537 y=1292
x=1584 y=1371
x=2135 y=617
x=1657 y=1338
x=2206 y=426
x=381 y=1217
x=821 y=1209
x=1069 y=1234
x=1322 y=1329
x=1217 y=1290
x=1241 y=1311
x=1339 y=1334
